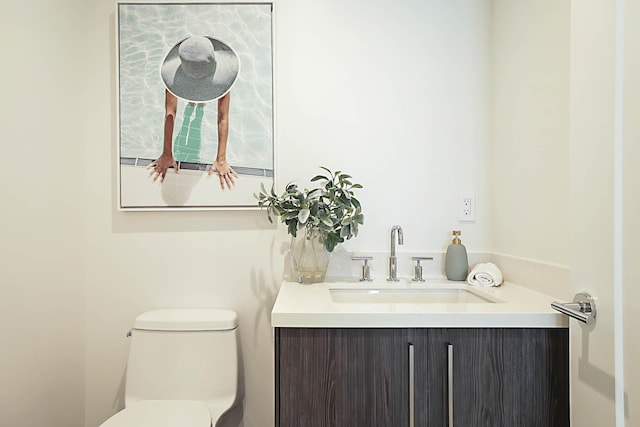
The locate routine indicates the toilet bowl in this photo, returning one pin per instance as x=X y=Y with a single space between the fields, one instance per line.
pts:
x=182 y=369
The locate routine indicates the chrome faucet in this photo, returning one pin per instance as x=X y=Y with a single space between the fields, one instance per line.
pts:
x=393 y=260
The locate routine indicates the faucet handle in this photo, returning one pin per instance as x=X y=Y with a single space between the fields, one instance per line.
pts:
x=417 y=269
x=366 y=268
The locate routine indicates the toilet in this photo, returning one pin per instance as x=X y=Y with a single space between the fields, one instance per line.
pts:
x=182 y=369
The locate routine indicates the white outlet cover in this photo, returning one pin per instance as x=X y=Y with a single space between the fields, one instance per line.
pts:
x=466 y=207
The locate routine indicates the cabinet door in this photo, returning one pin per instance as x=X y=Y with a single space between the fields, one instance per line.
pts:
x=510 y=377
x=431 y=377
x=341 y=377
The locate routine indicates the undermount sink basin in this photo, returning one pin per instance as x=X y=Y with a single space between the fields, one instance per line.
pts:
x=407 y=294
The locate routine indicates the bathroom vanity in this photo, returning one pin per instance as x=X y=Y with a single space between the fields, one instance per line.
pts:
x=435 y=354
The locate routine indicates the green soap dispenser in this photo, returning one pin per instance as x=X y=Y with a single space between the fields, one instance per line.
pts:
x=456 y=263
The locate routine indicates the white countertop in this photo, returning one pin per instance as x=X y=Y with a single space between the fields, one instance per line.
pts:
x=511 y=306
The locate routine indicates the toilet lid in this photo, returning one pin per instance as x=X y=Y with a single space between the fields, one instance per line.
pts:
x=162 y=413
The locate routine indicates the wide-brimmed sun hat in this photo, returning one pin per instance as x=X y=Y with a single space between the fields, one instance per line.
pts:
x=200 y=69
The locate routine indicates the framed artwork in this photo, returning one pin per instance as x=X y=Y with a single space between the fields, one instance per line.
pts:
x=195 y=104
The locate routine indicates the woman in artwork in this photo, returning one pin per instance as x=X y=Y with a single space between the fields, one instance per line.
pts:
x=198 y=70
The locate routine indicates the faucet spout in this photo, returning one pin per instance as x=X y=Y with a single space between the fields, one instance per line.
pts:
x=396 y=235
x=396 y=230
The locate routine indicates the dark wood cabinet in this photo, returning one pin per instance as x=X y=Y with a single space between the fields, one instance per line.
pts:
x=341 y=377
x=501 y=377
x=511 y=377
x=363 y=377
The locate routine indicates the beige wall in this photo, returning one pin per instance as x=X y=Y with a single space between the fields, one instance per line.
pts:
x=387 y=95
x=631 y=232
x=592 y=166
x=42 y=256
x=398 y=115
x=530 y=129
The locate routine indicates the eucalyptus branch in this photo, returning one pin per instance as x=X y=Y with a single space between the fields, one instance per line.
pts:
x=329 y=211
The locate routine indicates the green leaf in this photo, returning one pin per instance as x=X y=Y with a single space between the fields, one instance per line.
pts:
x=313 y=209
x=329 y=210
x=291 y=215
x=331 y=242
x=316 y=193
x=327 y=221
x=303 y=215
x=293 y=228
x=344 y=201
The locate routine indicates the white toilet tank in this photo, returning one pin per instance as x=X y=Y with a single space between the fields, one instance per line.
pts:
x=184 y=354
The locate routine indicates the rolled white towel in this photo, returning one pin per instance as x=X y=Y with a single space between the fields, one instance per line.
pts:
x=485 y=274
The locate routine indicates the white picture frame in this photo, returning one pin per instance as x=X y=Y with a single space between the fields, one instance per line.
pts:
x=147 y=35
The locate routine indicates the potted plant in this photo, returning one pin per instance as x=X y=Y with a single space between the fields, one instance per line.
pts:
x=317 y=220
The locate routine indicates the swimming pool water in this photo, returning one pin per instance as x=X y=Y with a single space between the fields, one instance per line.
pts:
x=146 y=32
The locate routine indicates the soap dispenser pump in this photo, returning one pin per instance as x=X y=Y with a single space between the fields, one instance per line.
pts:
x=456 y=264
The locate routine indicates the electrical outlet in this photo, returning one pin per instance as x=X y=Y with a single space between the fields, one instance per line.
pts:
x=466 y=208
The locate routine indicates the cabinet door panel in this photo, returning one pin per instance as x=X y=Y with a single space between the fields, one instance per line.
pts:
x=510 y=377
x=430 y=376
x=341 y=377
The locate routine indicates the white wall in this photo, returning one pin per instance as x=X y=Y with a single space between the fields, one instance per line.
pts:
x=530 y=129
x=42 y=257
x=396 y=96
x=384 y=93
